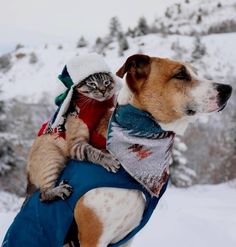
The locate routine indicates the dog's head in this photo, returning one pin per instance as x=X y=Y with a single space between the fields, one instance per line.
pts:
x=170 y=90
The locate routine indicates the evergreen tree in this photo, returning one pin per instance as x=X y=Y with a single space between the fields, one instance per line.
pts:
x=199 y=49
x=33 y=58
x=114 y=27
x=5 y=62
x=181 y=174
x=123 y=43
x=130 y=32
x=142 y=28
x=7 y=155
x=101 y=44
x=82 y=42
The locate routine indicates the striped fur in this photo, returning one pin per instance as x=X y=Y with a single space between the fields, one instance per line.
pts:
x=49 y=153
x=99 y=86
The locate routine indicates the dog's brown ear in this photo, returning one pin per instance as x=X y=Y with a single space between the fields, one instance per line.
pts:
x=137 y=68
x=137 y=64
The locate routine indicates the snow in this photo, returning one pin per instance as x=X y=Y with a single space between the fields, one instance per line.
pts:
x=200 y=216
x=32 y=82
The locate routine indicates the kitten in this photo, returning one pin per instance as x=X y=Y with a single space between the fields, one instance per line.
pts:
x=82 y=137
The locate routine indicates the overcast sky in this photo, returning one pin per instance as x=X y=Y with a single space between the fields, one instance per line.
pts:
x=39 y=21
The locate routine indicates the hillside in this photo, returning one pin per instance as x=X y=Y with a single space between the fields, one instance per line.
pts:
x=28 y=80
x=196 y=31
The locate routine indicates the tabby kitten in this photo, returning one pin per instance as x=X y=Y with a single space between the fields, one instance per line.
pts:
x=82 y=137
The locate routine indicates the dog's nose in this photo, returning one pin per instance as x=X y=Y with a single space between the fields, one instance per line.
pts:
x=224 y=91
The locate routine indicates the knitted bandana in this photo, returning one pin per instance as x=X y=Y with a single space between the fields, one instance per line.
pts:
x=141 y=146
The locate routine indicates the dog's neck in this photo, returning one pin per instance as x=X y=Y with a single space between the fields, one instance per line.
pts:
x=179 y=126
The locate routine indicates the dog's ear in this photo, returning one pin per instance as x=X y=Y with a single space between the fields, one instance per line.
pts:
x=137 y=63
x=137 y=68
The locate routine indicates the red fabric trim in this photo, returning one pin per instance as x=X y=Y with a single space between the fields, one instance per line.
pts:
x=97 y=140
x=91 y=112
x=42 y=129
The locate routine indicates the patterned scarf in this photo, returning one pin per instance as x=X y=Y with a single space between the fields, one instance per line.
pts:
x=142 y=147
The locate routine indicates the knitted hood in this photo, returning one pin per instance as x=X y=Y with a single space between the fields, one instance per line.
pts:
x=75 y=71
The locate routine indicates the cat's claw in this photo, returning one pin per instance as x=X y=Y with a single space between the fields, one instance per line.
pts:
x=111 y=163
x=64 y=190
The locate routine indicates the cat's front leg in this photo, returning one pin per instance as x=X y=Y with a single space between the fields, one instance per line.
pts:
x=84 y=151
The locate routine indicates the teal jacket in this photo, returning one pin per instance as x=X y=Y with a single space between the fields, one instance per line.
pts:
x=47 y=224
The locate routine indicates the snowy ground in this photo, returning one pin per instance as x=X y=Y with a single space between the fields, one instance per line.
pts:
x=201 y=216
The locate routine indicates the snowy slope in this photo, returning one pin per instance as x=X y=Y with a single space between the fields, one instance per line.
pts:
x=202 y=216
x=31 y=82
x=190 y=17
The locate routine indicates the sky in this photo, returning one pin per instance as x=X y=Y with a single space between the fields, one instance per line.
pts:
x=34 y=22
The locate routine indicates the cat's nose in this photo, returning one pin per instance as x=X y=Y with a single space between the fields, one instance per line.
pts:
x=103 y=91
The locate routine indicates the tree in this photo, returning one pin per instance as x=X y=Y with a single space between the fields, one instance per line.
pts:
x=178 y=49
x=33 y=58
x=7 y=155
x=181 y=174
x=130 y=32
x=60 y=47
x=123 y=43
x=19 y=46
x=142 y=28
x=199 y=49
x=114 y=27
x=82 y=42
x=5 y=62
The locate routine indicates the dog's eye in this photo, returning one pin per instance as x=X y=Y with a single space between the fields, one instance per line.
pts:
x=182 y=75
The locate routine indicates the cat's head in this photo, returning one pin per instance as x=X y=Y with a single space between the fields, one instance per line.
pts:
x=98 y=86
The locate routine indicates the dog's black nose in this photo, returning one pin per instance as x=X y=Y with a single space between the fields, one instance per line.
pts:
x=224 y=91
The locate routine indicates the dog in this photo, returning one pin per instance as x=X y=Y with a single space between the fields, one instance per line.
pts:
x=174 y=95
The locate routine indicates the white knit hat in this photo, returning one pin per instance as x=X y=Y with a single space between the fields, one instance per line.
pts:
x=77 y=69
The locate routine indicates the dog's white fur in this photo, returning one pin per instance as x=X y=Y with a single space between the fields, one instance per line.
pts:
x=121 y=210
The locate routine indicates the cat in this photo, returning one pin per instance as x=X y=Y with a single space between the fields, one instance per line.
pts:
x=82 y=137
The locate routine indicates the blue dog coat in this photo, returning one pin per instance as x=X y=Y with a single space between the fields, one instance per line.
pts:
x=46 y=224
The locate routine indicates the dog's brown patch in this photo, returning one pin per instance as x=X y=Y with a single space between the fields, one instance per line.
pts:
x=90 y=227
x=156 y=87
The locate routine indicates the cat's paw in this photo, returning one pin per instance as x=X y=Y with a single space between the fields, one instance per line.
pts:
x=62 y=191
x=110 y=163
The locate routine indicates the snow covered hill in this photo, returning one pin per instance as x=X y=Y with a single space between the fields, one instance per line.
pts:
x=30 y=84
x=197 y=31
x=191 y=17
x=201 y=216
x=33 y=81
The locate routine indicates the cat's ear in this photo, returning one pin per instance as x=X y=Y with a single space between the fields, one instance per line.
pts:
x=138 y=69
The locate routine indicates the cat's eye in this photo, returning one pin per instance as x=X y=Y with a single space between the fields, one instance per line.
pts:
x=107 y=83
x=182 y=75
x=92 y=84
